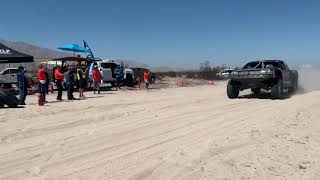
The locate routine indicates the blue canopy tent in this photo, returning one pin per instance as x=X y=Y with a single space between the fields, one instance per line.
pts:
x=73 y=47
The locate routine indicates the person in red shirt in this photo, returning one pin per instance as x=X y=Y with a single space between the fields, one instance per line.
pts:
x=42 y=81
x=146 y=76
x=96 y=76
x=59 y=79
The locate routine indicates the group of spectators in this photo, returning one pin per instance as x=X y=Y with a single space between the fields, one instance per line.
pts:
x=59 y=75
x=68 y=74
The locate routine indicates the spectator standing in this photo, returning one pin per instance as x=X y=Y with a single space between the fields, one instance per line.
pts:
x=42 y=81
x=70 y=83
x=81 y=76
x=96 y=76
x=146 y=76
x=46 y=72
x=23 y=85
x=59 y=80
x=118 y=73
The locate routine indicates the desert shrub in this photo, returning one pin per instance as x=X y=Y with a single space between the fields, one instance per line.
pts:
x=205 y=72
x=167 y=74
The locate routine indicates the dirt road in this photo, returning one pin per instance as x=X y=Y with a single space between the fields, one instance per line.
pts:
x=175 y=133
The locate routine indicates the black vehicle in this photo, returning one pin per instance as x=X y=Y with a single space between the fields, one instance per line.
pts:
x=270 y=75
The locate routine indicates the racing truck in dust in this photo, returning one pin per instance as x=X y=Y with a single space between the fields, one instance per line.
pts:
x=269 y=75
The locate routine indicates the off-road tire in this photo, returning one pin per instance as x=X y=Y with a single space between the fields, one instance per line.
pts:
x=232 y=91
x=8 y=98
x=1 y=103
x=277 y=90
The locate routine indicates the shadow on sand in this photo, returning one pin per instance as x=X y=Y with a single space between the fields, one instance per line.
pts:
x=18 y=107
x=256 y=96
x=94 y=97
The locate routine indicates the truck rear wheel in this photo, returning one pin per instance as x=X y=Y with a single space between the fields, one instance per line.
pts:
x=232 y=91
x=277 y=90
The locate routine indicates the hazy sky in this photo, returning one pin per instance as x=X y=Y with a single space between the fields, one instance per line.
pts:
x=171 y=32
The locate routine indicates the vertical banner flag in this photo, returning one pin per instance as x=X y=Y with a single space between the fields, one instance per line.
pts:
x=89 y=52
x=89 y=56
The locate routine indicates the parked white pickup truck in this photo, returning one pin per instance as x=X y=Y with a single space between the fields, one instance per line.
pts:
x=224 y=74
x=107 y=68
x=8 y=77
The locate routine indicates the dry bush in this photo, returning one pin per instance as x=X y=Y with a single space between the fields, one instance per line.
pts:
x=205 y=74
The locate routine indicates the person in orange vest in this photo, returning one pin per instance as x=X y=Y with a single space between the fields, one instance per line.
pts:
x=42 y=81
x=96 y=76
x=146 y=76
x=59 y=79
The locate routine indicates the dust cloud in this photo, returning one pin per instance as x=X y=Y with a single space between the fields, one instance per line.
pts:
x=309 y=79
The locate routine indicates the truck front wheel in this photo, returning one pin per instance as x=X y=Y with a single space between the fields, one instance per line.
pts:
x=232 y=91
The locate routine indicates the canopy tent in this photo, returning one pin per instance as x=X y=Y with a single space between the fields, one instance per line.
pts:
x=8 y=55
x=73 y=48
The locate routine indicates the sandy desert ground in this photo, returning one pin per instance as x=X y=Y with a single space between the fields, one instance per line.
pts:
x=174 y=133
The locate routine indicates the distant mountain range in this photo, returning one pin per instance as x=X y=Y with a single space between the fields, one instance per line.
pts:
x=40 y=53
x=131 y=63
x=135 y=64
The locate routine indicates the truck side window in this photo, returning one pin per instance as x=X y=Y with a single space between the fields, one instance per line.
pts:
x=13 y=71
x=283 y=66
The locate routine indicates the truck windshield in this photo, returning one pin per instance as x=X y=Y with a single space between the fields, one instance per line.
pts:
x=253 y=65
x=271 y=64
x=261 y=65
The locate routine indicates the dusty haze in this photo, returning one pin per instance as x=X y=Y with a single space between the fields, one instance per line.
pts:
x=309 y=79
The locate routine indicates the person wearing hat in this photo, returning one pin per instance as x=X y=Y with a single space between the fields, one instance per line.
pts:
x=96 y=76
x=23 y=85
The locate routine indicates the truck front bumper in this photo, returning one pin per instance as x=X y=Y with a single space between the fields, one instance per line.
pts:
x=263 y=81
